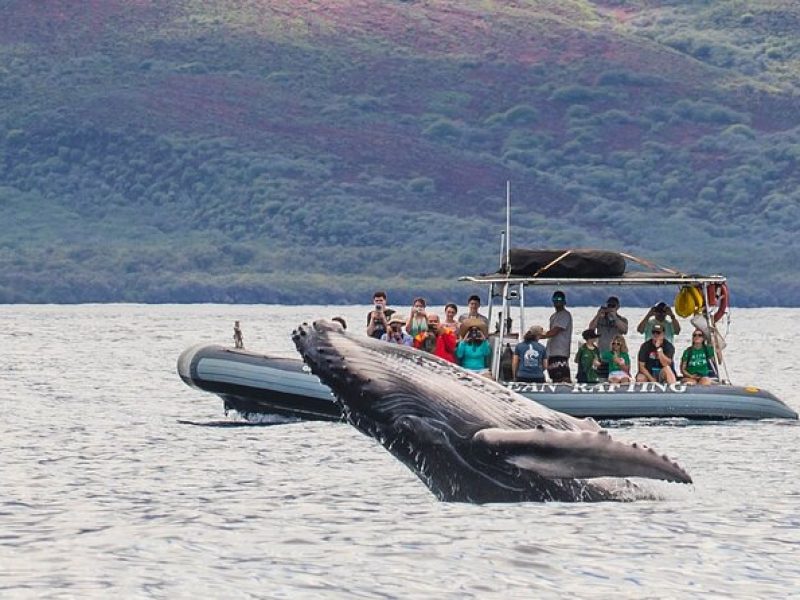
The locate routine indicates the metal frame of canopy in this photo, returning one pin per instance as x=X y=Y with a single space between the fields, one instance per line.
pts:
x=511 y=287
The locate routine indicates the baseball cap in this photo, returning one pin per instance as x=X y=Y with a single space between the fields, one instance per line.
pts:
x=657 y=327
x=536 y=330
x=559 y=296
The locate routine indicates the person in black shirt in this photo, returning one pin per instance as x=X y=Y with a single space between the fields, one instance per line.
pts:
x=378 y=317
x=655 y=358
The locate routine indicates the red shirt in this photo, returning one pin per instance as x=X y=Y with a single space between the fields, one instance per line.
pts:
x=446 y=345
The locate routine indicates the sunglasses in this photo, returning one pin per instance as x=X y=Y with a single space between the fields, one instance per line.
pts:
x=697 y=335
x=616 y=344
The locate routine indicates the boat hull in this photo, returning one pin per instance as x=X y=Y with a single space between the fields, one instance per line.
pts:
x=260 y=385
x=257 y=384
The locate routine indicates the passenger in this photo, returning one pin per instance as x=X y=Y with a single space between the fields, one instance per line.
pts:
x=473 y=304
x=378 y=318
x=473 y=352
x=438 y=340
x=697 y=362
x=658 y=314
x=700 y=321
x=396 y=335
x=588 y=358
x=450 y=321
x=559 y=339
x=530 y=357
x=655 y=358
x=417 y=321
x=608 y=323
x=618 y=361
x=340 y=321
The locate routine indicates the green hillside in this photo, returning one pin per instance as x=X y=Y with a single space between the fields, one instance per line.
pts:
x=297 y=151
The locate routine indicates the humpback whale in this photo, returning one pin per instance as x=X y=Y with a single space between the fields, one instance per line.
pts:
x=466 y=437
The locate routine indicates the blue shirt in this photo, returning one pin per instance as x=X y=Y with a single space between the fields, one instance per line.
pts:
x=531 y=359
x=473 y=356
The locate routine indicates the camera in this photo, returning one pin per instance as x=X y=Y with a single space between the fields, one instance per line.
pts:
x=474 y=334
x=379 y=307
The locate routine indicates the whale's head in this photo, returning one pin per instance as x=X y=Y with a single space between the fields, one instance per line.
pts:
x=378 y=382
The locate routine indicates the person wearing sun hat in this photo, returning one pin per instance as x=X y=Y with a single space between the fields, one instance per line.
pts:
x=396 y=335
x=655 y=358
x=473 y=351
x=559 y=339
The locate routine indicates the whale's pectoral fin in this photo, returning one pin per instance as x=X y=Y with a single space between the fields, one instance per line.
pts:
x=558 y=454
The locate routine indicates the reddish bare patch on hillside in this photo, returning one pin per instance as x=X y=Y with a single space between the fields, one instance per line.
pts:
x=82 y=22
x=614 y=12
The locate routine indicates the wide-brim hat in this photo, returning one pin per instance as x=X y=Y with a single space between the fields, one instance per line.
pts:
x=471 y=322
x=397 y=318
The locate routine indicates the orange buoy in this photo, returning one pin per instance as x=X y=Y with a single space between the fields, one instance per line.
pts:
x=721 y=299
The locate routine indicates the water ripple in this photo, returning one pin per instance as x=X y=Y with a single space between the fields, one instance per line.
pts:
x=105 y=488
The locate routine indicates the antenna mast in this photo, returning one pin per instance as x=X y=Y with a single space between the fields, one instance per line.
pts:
x=508 y=227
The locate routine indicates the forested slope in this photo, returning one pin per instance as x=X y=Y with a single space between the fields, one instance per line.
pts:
x=264 y=151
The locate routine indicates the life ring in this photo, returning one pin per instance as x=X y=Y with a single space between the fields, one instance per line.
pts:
x=711 y=292
x=688 y=301
x=723 y=300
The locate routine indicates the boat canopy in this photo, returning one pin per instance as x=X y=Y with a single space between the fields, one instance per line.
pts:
x=586 y=267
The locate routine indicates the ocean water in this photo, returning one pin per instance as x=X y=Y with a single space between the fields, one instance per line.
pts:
x=103 y=490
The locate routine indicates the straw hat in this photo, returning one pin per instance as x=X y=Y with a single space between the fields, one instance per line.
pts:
x=397 y=318
x=471 y=322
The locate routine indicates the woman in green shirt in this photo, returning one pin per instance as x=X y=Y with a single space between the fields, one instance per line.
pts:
x=697 y=363
x=618 y=360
